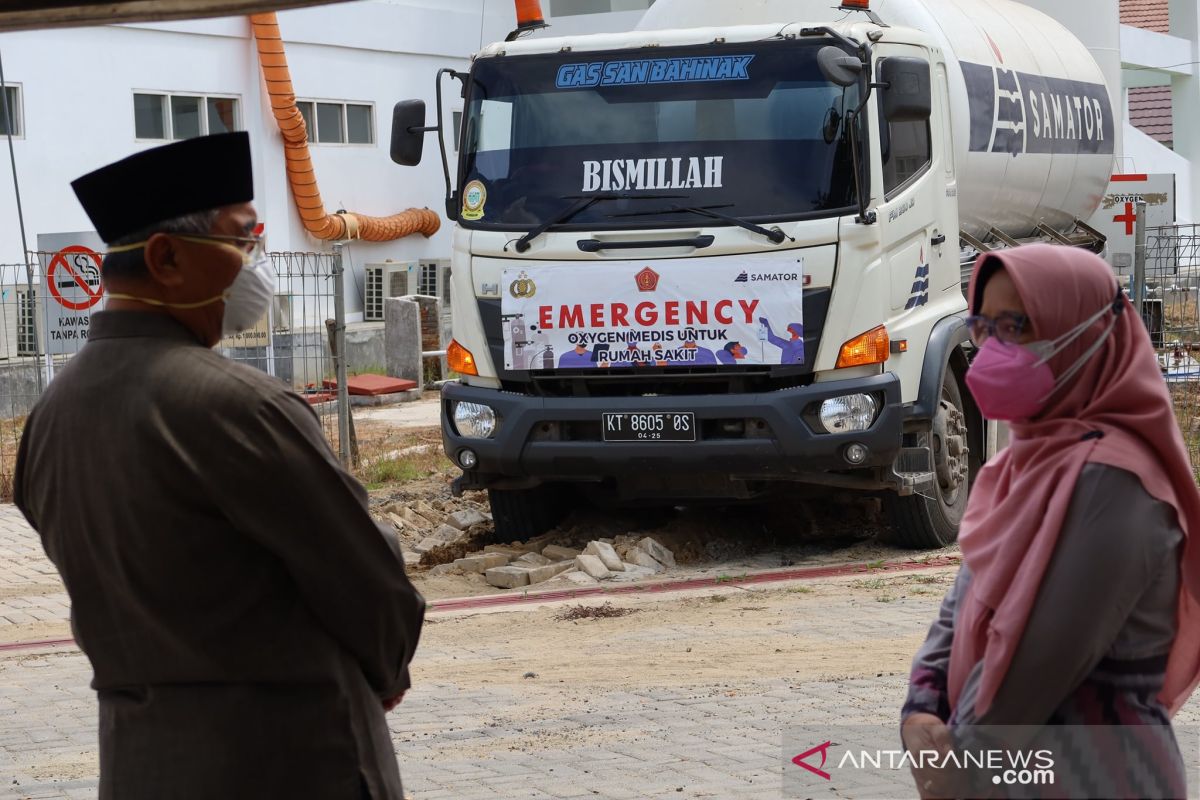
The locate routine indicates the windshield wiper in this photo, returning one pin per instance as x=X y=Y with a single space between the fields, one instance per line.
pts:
x=774 y=234
x=580 y=205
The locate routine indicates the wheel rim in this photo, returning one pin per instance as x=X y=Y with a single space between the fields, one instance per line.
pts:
x=949 y=442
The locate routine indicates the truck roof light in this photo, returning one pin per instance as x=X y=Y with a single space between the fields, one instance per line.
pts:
x=856 y=5
x=871 y=347
x=459 y=359
x=529 y=18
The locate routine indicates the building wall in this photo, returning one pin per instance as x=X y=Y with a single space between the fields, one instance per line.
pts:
x=77 y=89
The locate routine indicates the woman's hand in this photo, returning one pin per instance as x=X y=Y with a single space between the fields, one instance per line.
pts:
x=926 y=732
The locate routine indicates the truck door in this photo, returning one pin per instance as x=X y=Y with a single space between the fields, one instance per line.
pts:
x=917 y=177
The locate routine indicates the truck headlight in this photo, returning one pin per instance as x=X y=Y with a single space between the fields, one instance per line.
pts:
x=849 y=413
x=474 y=421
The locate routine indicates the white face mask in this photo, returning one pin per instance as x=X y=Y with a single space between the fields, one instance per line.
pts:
x=249 y=296
x=246 y=299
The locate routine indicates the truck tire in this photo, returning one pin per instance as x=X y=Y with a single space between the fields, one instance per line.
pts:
x=521 y=514
x=927 y=522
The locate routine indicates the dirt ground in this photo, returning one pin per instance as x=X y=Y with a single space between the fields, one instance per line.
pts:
x=730 y=541
x=674 y=634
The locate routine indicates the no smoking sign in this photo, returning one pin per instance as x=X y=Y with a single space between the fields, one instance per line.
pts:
x=73 y=276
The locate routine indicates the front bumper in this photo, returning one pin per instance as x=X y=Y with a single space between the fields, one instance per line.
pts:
x=543 y=438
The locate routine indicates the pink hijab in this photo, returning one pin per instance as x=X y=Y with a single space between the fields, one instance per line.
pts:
x=1020 y=499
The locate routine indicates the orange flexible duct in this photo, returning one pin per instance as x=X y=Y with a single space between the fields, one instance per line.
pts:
x=301 y=176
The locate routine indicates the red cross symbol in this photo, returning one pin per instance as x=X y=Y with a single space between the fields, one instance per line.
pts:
x=1129 y=218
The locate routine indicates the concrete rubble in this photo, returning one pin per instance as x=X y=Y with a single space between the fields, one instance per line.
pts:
x=455 y=537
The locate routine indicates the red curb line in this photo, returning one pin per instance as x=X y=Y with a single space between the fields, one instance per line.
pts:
x=658 y=587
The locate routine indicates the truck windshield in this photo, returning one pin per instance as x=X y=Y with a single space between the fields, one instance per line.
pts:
x=752 y=130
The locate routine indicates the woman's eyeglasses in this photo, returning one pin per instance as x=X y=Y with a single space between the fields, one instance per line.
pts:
x=1007 y=327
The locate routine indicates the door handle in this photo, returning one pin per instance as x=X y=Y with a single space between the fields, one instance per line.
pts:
x=939 y=239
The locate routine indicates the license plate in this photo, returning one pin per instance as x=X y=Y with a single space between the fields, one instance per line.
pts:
x=660 y=426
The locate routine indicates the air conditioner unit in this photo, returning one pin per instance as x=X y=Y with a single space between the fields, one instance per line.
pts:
x=20 y=322
x=435 y=281
x=384 y=281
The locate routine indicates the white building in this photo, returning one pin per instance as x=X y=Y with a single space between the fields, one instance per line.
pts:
x=85 y=97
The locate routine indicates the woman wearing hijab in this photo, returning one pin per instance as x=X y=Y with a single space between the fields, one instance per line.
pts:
x=1076 y=601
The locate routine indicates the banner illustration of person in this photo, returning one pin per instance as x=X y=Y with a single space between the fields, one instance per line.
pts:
x=793 y=347
x=732 y=353
x=579 y=358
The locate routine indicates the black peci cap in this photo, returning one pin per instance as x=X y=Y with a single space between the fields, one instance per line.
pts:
x=167 y=182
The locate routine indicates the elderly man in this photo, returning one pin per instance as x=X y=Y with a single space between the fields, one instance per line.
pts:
x=247 y=623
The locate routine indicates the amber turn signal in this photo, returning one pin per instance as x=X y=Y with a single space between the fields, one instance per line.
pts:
x=460 y=360
x=870 y=348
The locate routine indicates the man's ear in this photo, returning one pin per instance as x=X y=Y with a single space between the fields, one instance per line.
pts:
x=161 y=256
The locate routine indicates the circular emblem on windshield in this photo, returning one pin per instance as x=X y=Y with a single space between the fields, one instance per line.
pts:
x=474 y=200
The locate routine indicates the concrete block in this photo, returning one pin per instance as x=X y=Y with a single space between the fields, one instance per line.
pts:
x=465 y=519
x=397 y=521
x=632 y=573
x=592 y=566
x=557 y=553
x=495 y=560
x=540 y=574
x=427 y=544
x=580 y=578
x=511 y=552
x=639 y=557
x=445 y=569
x=532 y=559
x=606 y=553
x=402 y=339
x=477 y=564
x=410 y=558
x=507 y=577
x=660 y=554
x=448 y=534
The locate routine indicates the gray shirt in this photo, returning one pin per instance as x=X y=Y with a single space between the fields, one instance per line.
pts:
x=1110 y=593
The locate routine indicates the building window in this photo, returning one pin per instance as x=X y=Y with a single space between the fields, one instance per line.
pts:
x=570 y=8
x=182 y=116
x=330 y=122
x=12 y=96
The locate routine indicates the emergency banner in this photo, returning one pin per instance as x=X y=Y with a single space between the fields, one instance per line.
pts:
x=693 y=312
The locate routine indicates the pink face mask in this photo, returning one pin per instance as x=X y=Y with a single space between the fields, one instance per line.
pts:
x=1010 y=382
x=1013 y=382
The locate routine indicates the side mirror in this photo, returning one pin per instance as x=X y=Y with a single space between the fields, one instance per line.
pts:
x=408 y=132
x=839 y=67
x=907 y=96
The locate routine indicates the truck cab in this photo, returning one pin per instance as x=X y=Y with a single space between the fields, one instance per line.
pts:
x=708 y=265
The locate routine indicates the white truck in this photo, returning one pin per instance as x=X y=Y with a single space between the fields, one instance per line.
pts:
x=723 y=255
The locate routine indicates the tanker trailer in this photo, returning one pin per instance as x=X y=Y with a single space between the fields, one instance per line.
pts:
x=731 y=244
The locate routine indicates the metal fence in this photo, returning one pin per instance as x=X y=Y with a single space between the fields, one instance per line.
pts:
x=45 y=312
x=1171 y=311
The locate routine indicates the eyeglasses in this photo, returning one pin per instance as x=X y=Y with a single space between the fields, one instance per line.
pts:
x=253 y=246
x=1007 y=327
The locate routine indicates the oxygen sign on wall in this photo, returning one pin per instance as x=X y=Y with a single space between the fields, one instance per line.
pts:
x=71 y=288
